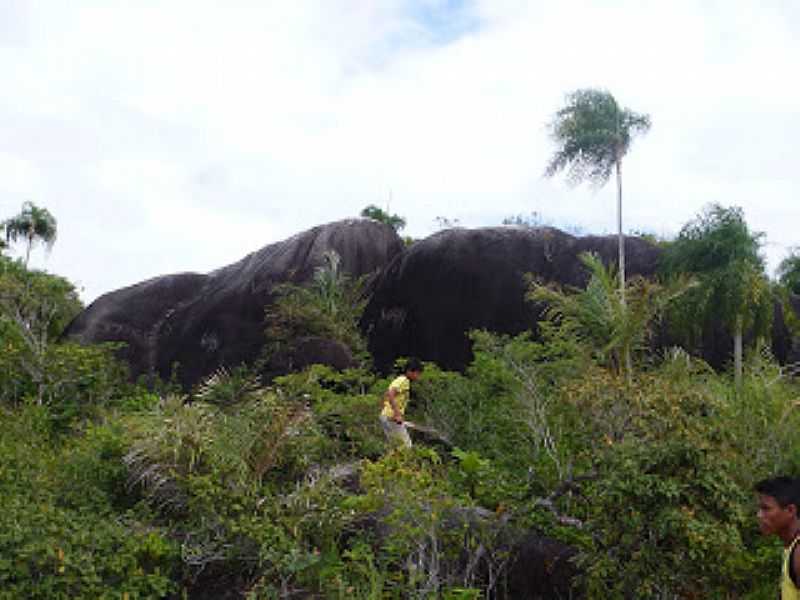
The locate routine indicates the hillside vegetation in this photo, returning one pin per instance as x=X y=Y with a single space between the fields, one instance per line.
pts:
x=641 y=467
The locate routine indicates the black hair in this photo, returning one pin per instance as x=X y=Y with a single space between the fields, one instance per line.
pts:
x=785 y=490
x=413 y=364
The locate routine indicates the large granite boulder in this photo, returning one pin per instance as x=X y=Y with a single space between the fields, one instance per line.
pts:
x=204 y=321
x=429 y=297
x=785 y=345
x=542 y=568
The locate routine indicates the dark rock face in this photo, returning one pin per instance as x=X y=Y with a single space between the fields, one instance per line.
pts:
x=542 y=569
x=429 y=297
x=785 y=347
x=135 y=315
x=313 y=350
x=203 y=322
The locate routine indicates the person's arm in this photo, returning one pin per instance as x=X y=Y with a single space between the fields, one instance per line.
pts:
x=391 y=395
x=795 y=562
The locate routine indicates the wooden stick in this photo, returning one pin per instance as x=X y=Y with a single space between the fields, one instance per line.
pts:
x=428 y=431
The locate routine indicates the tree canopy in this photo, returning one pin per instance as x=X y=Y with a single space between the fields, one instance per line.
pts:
x=396 y=222
x=35 y=307
x=32 y=224
x=592 y=134
x=789 y=271
x=720 y=251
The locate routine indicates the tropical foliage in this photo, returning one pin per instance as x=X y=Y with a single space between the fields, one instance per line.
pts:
x=613 y=326
x=34 y=309
x=789 y=271
x=718 y=249
x=328 y=307
x=532 y=220
x=278 y=490
x=396 y=222
x=32 y=224
x=286 y=488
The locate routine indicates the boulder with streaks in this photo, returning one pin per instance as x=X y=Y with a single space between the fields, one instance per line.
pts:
x=429 y=297
x=203 y=321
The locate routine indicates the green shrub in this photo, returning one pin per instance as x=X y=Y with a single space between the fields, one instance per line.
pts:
x=345 y=405
x=761 y=419
x=666 y=521
x=34 y=309
x=426 y=542
x=60 y=534
x=109 y=490
x=328 y=306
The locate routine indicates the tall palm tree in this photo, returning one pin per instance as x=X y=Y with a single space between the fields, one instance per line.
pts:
x=32 y=224
x=718 y=249
x=593 y=134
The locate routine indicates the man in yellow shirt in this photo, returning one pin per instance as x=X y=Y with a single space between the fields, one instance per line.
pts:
x=778 y=502
x=395 y=400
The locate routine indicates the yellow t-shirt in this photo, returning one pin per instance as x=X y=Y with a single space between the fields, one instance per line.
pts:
x=788 y=590
x=402 y=387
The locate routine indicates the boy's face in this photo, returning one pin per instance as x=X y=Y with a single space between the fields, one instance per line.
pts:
x=772 y=517
x=412 y=375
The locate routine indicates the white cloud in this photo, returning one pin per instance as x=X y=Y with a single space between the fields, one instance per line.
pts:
x=182 y=135
x=17 y=176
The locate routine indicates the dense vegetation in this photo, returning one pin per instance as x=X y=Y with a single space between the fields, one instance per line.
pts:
x=286 y=489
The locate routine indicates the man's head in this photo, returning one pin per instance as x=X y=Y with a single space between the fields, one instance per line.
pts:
x=413 y=369
x=778 y=503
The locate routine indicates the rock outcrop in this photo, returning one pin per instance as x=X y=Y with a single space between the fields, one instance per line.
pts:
x=542 y=568
x=204 y=321
x=424 y=299
x=785 y=345
x=432 y=295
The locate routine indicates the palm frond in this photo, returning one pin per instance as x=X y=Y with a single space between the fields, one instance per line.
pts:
x=592 y=133
x=225 y=389
x=605 y=321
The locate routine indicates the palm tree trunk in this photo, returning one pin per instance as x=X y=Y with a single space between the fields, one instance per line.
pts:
x=737 y=353
x=627 y=350
x=619 y=231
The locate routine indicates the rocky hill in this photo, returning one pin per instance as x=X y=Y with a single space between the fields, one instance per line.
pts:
x=424 y=299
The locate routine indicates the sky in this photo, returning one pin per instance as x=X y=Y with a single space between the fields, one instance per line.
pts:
x=181 y=135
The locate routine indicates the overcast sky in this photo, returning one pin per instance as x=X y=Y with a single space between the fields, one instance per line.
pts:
x=177 y=136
